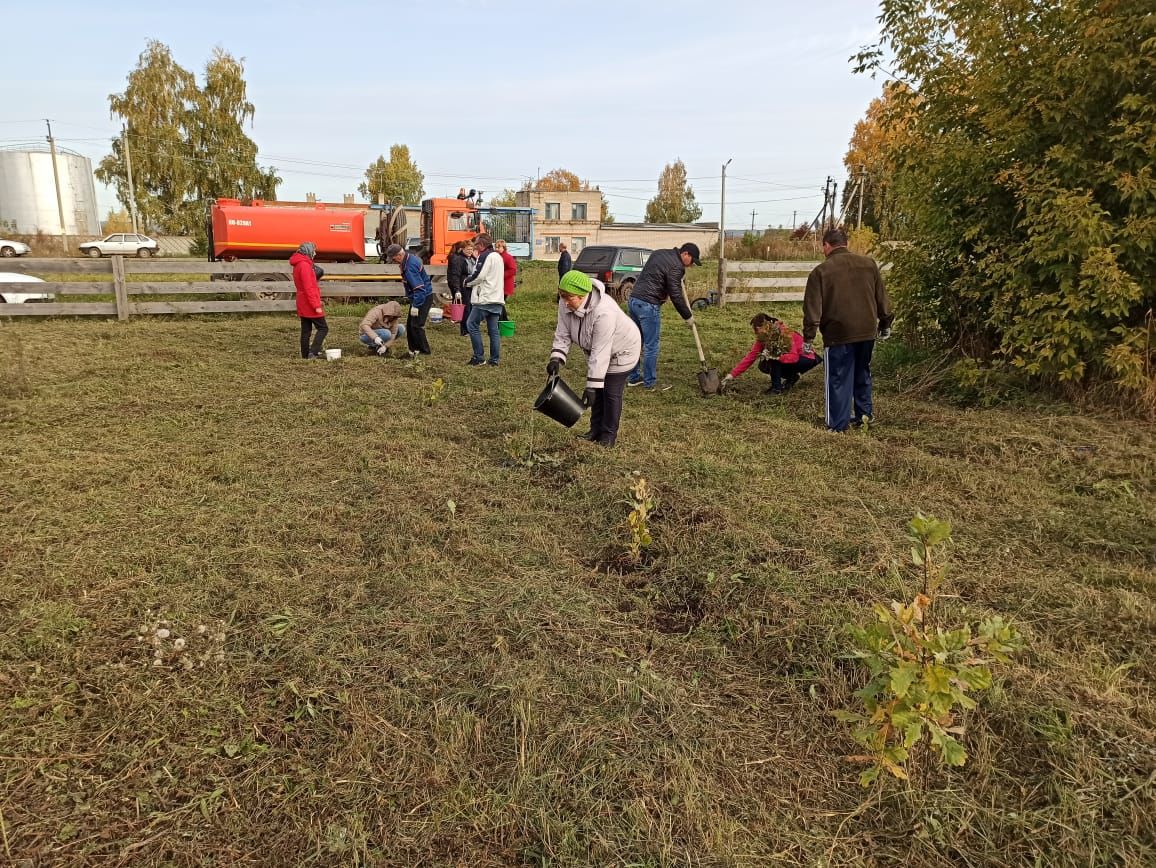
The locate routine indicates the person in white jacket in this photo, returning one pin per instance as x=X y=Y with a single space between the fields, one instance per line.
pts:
x=486 y=300
x=590 y=318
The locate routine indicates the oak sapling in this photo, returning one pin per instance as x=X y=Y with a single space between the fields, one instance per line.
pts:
x=921 y=674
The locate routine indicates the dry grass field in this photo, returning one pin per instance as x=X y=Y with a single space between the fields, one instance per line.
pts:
x=367 y=675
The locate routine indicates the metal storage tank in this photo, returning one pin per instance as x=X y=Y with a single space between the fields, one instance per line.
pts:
x=28 y=192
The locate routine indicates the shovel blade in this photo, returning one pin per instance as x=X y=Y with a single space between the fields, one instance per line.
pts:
x=709 y=382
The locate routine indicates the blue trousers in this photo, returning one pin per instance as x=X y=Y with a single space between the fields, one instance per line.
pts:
x=648 y=318
x=848 y=372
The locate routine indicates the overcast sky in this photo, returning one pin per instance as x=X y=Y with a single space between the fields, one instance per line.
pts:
x=485 y=92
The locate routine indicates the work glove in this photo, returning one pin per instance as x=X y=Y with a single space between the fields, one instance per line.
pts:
x=457 y=298
x=884 y=334
x=808 y=348
x=382 y=349
x=726 y=383
x=552 y=367
x=588 y=397
x=377 y=340
x=689 y=321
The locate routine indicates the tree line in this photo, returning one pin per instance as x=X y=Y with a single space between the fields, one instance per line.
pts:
x=1011 y=155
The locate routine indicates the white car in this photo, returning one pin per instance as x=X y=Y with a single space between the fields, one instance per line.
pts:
x=122 y=244
x=13 y=248
x=8 y=296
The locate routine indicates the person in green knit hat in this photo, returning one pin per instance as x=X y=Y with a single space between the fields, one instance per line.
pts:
x=589 y=317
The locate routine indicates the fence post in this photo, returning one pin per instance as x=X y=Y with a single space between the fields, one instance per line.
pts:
x=722 y=290
x=119 y=288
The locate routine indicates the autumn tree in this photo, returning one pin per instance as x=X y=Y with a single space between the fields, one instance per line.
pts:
x=870 y=159
x=187 y=143
x=506 y=199
x=565 y=181
x=557 y=181
x=1025 y=182
x=117 y=221
x=675 y=202
x=396 y=180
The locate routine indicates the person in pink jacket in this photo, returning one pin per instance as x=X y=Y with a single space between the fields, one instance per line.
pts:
x=309 y=307
x=509 y=274
x=779 y=352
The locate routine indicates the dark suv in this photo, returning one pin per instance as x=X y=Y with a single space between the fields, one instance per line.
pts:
x=617 y=267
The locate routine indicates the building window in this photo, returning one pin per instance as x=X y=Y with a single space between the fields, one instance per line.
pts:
x=553 y=210
x=578 y=211
x=577 y=243
x=552 y=242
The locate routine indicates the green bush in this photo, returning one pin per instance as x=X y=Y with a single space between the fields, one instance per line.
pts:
x=1025 y=180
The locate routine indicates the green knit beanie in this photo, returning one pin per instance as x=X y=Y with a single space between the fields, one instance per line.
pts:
x=575 y=283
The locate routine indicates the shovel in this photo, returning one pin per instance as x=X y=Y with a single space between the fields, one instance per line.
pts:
x=708 y=378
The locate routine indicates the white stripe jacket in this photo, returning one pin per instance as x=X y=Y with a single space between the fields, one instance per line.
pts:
x=609 y=337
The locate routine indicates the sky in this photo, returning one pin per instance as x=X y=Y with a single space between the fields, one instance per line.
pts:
x=486 y=93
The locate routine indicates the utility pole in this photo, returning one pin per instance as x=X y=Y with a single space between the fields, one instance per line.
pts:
x=834 y=199
x=128 y=171
x=826 y=201
x=56 y=177
x=794 y=220
x=862 y=189
x=722 y=233
x=753 y=212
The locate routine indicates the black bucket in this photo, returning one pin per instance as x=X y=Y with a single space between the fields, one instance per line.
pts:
x=559 y=402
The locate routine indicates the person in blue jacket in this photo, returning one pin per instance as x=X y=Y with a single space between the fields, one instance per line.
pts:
x=418 y=292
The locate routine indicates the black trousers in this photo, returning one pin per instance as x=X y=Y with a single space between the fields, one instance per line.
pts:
x=606 y=412
x=779 y=371
x=415 y=336
x=307 y=325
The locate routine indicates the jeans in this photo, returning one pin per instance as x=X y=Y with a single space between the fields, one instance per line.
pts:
x=606 y=411
x=308 y=323
x=384 y=334
x=415 y=335
x=467 y=291
x=489 y=313
x=648 y=318
x=848 y=382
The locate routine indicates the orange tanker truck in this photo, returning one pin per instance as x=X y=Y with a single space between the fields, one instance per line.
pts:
x=263 y=230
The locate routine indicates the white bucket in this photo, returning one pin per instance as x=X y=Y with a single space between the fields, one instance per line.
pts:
x=330 y=355
x=436 y=314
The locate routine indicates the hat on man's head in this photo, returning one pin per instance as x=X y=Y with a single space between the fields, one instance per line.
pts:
x=575 y=283
x=690 y=249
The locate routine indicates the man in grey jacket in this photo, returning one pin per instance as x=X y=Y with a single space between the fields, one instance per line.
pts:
x=660 y=279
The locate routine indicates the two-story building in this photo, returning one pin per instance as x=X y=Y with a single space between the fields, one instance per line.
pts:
x=574 y=218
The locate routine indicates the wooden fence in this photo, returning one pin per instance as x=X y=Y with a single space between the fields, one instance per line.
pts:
x=749 y=281
x=769 y=281
x=259 y=287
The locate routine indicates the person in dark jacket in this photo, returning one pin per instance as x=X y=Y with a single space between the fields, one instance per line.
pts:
x=846 y=302
x=565 y=263
x=659 y=280
x=457 y=271
x=419 y=294
x=309 y=307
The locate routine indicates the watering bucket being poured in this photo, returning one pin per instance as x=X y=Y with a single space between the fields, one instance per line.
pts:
x=559 y=402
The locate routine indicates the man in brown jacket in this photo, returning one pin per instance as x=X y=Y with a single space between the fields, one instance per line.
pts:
x=846 y=301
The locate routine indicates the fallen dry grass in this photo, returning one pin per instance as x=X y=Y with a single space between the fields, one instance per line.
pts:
x=382 y=680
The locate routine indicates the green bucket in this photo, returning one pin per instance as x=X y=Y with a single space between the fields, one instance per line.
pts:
x=506 y=328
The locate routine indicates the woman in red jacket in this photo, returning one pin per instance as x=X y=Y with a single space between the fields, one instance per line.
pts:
x=780 y=354
x=509 y=273
x=309 y=307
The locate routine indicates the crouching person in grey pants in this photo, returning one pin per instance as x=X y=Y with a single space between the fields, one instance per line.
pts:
x=590 y=318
